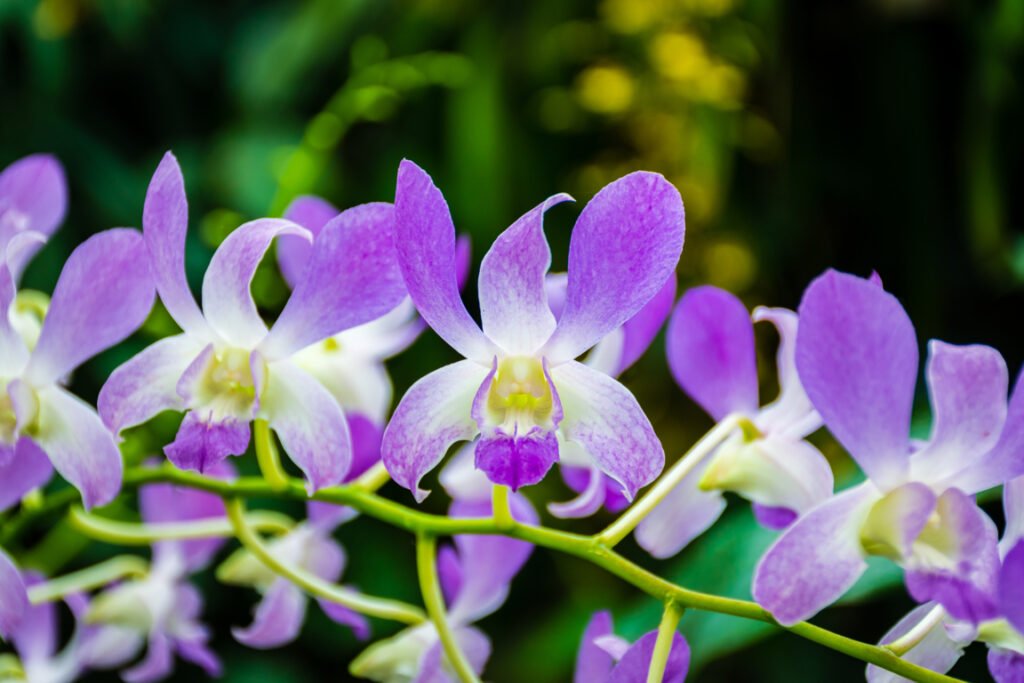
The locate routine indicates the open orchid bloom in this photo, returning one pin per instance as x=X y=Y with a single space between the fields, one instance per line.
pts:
x=33 y=198
x=227 y=368
x=103 y=294
x=350 y=364
x=519 y=384
x=607 y=658
x=711 y=353
x=857 y=358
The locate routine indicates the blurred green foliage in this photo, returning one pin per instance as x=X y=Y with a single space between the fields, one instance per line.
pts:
x=874 y=135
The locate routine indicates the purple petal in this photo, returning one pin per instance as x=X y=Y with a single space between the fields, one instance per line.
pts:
x=164 y=225
x=513 y=303
x=433 y=414
x=589 y=483
x=310 y=425
x=1013 y=506
x=516 y=461
x=36 y=635
x=791 y=413
x=104 y=293
x=462 y=480
x=605 y=419
x=968 y=387
x=710 y=346
x=79 y=446
x=1011 y=586
x=1006 y=459
x=815 y=560
x=624 y=247
x=14 y=351
x=593 y=664
x=425 y=242
x=774 y=518
x=324 y=557
x=196 y=651
x=33 y=196
x=633 y=666
x=857 y=356
x=1006 y=666
x=27 y=468
x=147 y=383
x=340 y=614
x=13 y=597
x=227 y=299
x=642 y=328
x=366 y=442
x=685 y=514
x=278 y=618
x=352 y=278
x=202 y=443
x=159 y=661
x=449 y=572
x=936 y=651
x=896 y=521
x=293 y=252
x=473 y=644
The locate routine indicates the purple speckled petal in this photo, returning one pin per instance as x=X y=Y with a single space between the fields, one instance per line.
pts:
x=227 y=299
x=104 y=293
x=968 y=387
x=606 y=420
x=26 y=469
x=814 y=561
x=433 y=414
x=685 y=514
x=147 y=383
x=1006 y=666
x=710 y=347
x=201 y=443
x=293 y=252
x=425 y=242
x=936 y=651
x=514 y=460
x=624 y=247
x=164 y=225
x=633 y=666
x=158 y=663
x=513 y=303
x=13 y=596
x=278 y=617
x=352 y=278
x=593 y=664
x=79 y=445
x=1006 y=459
x=33 y=196
x=1011 y=586
x=310 y=424
x=473 y=643
x=640 y=330
x=857 y=357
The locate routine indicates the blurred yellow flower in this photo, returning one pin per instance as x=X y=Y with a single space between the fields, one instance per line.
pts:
x=605 y=89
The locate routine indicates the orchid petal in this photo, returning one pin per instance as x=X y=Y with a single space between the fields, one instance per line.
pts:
x=462 y=480
x=227 y=300
x=425 y=243
x=13 y=351
x=771 y=517
x=79 y=445
x=593 y=664
x=815 y=560
x=27 y=468
x=1006 y=666
x=310 y=424
x=278 y=618
x=1013 y=506
x=293 y=253
x=352 y=278
x=202 y=443
x=197 y=652
x=634 y=665
x=35 y=190
x=936 y=651
x=896 y=521
x=35 y=637
x=433 y=414
x=434 y=666
x=857 y=357
x=686 y=513
x=642 y=328
x=791 y=412
x=624 y=247
x=1005 y=461
x=1011 y=586
x=589 y=500
x=513 y=303
x=13 y=597
x=340 y=614
x=158 y=663
x=357 y=382
x=147 y=383
x=605 y=419
x=517 y=460
x=103 y=294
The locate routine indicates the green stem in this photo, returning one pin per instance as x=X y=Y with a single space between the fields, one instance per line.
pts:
x=96 y=576
x=663 y=645
x=430 y=585
x=500 y=507
x=134 y=533
x=267 y=456
x=314 y=585
x=372 y=479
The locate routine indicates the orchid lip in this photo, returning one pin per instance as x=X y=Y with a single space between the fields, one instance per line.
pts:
x=227 y=386
x=520 y=397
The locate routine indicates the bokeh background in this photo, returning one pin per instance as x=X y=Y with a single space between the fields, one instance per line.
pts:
x=872 y=135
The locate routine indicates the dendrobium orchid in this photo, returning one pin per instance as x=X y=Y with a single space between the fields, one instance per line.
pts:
x=857 y=358
x=607 y=658
x=33 y=199
x=226 y=369
x=519 y=384
x=711 y=352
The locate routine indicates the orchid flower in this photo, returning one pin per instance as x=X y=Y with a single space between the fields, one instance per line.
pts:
x=711 y=352
x=857 y=358
x=279 y=616
x=33 y=198
x=607 y=658
x=519 y=384
x=351 y=363
x=226 y=368
x=103 y=294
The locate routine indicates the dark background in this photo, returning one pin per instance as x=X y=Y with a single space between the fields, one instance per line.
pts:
x=862 y=136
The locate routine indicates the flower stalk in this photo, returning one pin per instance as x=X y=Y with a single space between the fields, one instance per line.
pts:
x=134 y=533
x=96 y=576
x=663 y=645
x=267 y=456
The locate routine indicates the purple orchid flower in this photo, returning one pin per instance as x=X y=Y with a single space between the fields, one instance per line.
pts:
x=103 y=294
x=33 y=198
x=226 y=368
x=519 y=383
x=710 y=345
x=857 y=358
x=351 y=363
x=606 y=658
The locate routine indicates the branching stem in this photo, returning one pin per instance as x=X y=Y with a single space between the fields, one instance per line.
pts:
x=430 y=586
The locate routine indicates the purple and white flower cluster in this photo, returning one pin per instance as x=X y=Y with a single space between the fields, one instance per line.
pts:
x=537 y=386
